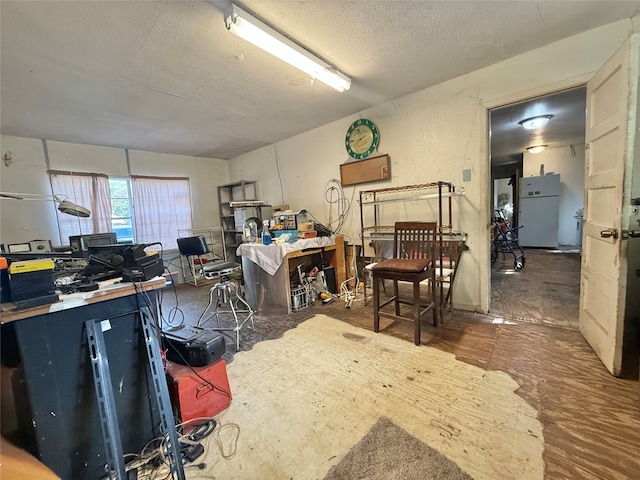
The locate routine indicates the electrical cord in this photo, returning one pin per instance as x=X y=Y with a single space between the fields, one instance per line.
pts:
x=233 y=440
x=335 y=198
x=150 y=463
x=275 y=150
x=173 y=311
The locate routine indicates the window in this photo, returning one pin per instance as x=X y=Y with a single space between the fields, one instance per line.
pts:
x=138 y=209
x=161 y=207
x=121 y=209
x=86 y=189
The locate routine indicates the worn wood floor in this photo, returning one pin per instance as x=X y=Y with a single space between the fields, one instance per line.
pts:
x=591 y=420
x=546 y=291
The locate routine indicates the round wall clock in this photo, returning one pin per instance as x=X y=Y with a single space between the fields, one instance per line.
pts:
x=361 y=139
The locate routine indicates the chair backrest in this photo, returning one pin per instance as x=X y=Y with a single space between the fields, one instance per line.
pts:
x=415 y=240
x=193 y=245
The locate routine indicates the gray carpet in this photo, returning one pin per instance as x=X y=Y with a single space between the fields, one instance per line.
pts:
x=387 y=452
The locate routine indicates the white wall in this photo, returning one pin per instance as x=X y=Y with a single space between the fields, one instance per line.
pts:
x=571 y=170
x=22 y=221
x=433 y=135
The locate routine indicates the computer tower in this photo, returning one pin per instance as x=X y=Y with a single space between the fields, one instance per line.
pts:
x=330 y=279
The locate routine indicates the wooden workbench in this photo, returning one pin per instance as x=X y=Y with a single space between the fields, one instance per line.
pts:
x=271 y=292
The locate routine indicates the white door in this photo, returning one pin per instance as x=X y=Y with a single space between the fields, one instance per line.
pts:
x=610 y=138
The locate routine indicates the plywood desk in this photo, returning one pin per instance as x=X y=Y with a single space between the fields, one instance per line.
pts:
x=56 y=409
x=267 y=272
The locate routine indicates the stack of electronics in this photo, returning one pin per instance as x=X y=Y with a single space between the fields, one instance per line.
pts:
x=139 y=265
x=35 y=268
x=31 y=283
x=131 y=262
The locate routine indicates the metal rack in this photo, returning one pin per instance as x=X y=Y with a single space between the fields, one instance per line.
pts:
x=116 y=467
x=236 y=202
x=451 y=243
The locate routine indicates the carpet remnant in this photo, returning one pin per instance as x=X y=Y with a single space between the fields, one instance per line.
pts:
x=388 y=452
x=301 y=402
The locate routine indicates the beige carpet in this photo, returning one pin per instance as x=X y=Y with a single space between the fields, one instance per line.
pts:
x=388 y=452
x=303 y=401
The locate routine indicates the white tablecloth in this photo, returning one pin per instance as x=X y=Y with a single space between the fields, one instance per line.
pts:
x=270 y=257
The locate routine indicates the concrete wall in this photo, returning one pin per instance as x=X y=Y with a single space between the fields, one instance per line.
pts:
x=432 y=135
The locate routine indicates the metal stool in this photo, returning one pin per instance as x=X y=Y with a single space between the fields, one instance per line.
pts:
x=227 y=301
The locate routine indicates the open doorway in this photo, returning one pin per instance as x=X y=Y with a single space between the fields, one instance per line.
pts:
x=539 y=193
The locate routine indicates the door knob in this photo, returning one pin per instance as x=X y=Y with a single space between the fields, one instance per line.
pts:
x=610 y=232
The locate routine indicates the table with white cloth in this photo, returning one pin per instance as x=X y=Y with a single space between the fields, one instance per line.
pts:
x=268 y=269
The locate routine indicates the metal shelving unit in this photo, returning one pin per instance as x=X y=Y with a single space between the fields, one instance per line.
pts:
x=451 y=243
x=230 y=195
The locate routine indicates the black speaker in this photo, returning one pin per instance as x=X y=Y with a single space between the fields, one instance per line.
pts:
x=330 y=279
x=203 y=349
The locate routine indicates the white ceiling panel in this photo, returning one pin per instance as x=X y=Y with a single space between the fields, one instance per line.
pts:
x=168 y=77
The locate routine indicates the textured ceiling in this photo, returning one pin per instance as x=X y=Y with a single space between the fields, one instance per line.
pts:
x=168 y=77
x=566 y=126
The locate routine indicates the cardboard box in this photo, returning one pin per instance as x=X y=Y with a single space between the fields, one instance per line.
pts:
x=306 y=227
x=193 y=397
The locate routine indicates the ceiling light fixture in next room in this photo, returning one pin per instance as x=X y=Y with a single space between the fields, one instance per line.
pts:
x=535 y=122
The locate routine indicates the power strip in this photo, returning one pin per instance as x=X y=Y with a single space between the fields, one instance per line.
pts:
x=191 y=451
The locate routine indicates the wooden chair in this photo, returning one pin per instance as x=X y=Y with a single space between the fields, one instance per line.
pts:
x=414 y=253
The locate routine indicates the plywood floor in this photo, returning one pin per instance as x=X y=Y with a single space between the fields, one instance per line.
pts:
x=546 y=291
x=591 y=420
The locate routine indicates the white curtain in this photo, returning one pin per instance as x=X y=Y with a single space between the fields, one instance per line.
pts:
x=90 y=191
x=161 y=207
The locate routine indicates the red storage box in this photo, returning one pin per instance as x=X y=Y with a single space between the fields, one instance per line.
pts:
x=193 y=397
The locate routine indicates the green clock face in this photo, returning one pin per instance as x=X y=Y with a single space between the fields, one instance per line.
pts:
x=361 y=139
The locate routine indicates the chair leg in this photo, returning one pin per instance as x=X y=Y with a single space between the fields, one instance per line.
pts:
x=376 y=304
x=226 y=293
x=240 y=299
x=397 y=297
x=202 y=318
x=436 y=304
x=416 y=312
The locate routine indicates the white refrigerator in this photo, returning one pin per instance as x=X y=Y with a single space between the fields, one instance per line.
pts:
x=539 y=209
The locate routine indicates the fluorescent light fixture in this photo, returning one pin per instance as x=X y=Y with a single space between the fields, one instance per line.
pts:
x=536 y=148
x=65 y=206
x=535 y=122
x=251 y=29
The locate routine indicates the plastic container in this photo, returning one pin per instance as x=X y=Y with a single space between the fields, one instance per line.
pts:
x=292 y=235
x=250 y=231
x=266 y=234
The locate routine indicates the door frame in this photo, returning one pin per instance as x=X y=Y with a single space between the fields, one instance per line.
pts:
x=485 y=109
